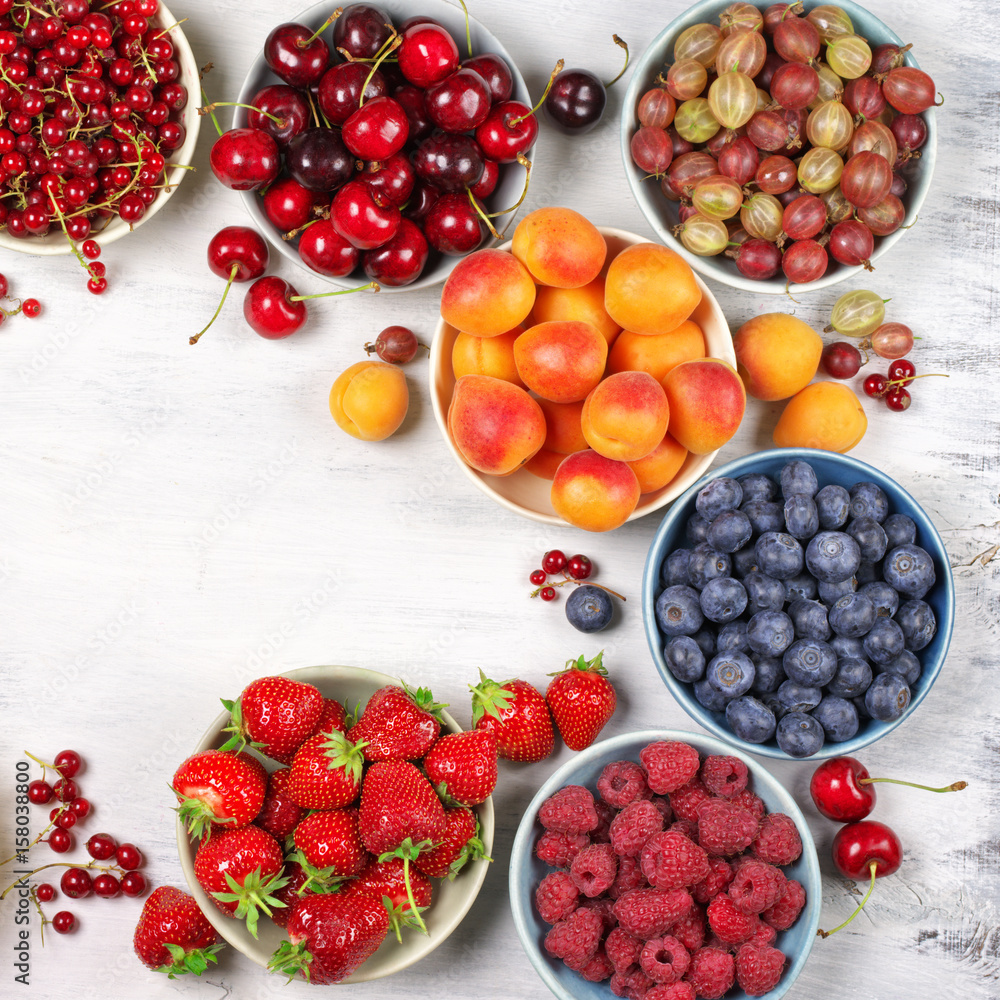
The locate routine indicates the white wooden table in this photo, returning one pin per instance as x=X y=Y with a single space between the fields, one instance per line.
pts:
x=177 y=520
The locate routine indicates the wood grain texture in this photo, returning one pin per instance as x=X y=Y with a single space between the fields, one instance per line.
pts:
x=175 y=521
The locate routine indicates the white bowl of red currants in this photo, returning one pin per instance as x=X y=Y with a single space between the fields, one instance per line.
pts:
x=377 y=187
x=102 y=194
x=779 y=146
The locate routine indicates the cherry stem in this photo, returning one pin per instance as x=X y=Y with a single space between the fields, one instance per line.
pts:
x=955 y=786
x=209 y=108
x=319 y=31
x=316 y=114
x=621 y=44
x=211 y=114
x=388 y=47
x=873 y=868
x=63 y=864
x=482 y=215
x=526 y=163
x=229 y=284
x=468 y=33
x=371 y=286
x=545 y=93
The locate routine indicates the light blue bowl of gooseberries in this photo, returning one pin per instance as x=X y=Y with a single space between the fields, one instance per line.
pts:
x=526 y=870
x=830 y=468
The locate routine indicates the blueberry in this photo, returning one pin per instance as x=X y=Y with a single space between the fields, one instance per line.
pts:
x=757 y=486
x=730 y=531
x=771 y=701
x=852 y=677
x=732 y=637
x=708 y=697
x=696 y=529
x=764 y=593
x=768 y=674
x=910 y=570
x=770 y=633
x=809 y=619
x=706 y=642
x=859 y=704
x=719 y=495
x=838 y=717
x=765 y=515
x=795 y=697
x=707 y=564
x=798 y=477
x=833 y=504
x=678 y=611
x=869 y=500
x=801 y=516
x=918 y=624
x=885 y=599
x=830 y=593
x=723 y=599
x=852 y=615
x=744 y=561
x=868 y=572
x=810 y=661
x=906 y=665
x=887 y=698
x=779 y=555
x=871 y=539
x=731 y=674
x=832 y=556
x=853 y=649
x=674 y=569
x=899 y=530
x=750 y=719
x=801 y=587
x=684 y=658
x=589 y=609
x=885 y=641
x=799 y=735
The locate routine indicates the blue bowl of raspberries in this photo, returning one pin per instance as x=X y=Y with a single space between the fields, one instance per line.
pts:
x=667 y=865
x=798 y=603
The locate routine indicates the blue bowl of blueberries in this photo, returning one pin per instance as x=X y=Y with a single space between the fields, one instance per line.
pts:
x=798 y=603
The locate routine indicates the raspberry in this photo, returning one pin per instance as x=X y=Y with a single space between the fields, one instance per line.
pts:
x=603 y=908
x=777 y=841
x=559 y=849
x=725 y=776
x=576 y=938
x=690 y=930
x=669 y=765
x=675 y=991
x=570 y=810
x=664 y=959
x=662 y=804
x=786 y=911
x=593 y=870
x=622 y=782
x=720 y=874
x=556 y=897
x=750 y=801
x=758 y=969
x=765 y=935
x=629 y=876
x=756 y=887
x=648 y=913
x=671 y=861
x=727 y=923
x=633 y=826
x=605 y=814
x=725 y=828
x=598 y=968
x=688 y=799
x=711 y=972
x=623 y=949
x=634 y=985
x=689 y=827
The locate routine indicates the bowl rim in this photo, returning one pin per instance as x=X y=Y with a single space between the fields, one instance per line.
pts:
x=229 y=929
x=930 y=540
x=656 y=52
x=521 y=851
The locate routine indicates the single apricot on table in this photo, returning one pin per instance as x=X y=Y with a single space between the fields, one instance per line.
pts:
x=487 y=293
x=657 y=353
x=776 y=355
x=707 y=401
x=658 y=468
x=593 y=492
x=486 y=356
x=559 y=247
x=650 y=289
x=625 y=416
x=369 y=400
x=585 y=304
x=561 y=361
x=824 y=415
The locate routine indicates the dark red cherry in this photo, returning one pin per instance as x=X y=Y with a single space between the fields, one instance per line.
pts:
x=393 y=177
x=424 y=195
x=361 y=30
x=319 y=160
x=576 y=101
x=495 y=71
x=411 y=99
x=244 y=159
x=449 y=162
x=452 y=226
x=858 y=846
x=510 y=128
x=269 y=309
x=401 y=260
x=292 y=57
x=323 y=249
x=459 y=102
x=377 y=130
x=339 y=92
x=285 y=103
x=363 y=217
x=288 y=205
x=239 y=245
x=427 y=54
x=486 y=184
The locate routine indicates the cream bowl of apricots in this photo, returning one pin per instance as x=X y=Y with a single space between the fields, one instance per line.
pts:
x=449 y=898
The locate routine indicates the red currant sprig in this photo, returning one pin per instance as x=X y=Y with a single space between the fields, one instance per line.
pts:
x=891 y=387
x=575 y=570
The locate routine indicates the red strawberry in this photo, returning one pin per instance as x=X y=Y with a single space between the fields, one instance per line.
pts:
x=333 y=716
x=516 y=713
x=582 y=701
x=463 y=766
x=460 y=845
x=280 y=812
x=173 y=935
x=274 y=715
x=291 y=892
x=240 y=870
x=326 y=772
x=219 y=790
x=398 y=722
x=329 y=845
x=329 y=936
x=387 y=880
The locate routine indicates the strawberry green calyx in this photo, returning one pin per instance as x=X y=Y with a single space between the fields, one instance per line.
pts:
x=488 y=698
x=194 y=962
x=343 y=755
x=424 y=700
x=594 y=666
x=408 y=851
x=237 y=728
x=198 y=816
x=254 y=895
x=474 y=850
x=318 y=880
x=290 y=959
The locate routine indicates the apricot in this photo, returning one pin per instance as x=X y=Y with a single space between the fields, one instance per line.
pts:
x=823 y=415
x=657 y=353
x=487 y=293
x=369 y=400
x=486 y=356
x=585 y=304
x=544 y=463
x=562 y=420
x=496 y=426
x=707 y=400
x=561 y=361
x=650 y=289
x=559 y=247
x=593 y=492
x=658 y=468
x=776 y=355
x=625 y=416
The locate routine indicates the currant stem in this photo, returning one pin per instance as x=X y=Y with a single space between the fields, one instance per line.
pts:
x=209 y=108
x=229 y=284
x=545 y=93
x=872 y=867
x=955 y=786
x=568 y=579
x=64 y=864
x=371 y=286
x=621 y=44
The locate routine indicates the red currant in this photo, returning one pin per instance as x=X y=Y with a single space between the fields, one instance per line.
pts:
x=67 y=762
x=129 y=857
x=547 y=593
x=580 y=567
x=60 y=840
x=63 y=818
x=554 y=561
x=102 y=846
x=76 y=883
x=875 y=385
x=64 y=922
x=97 y=286
x=133 y=884
x=538 y=577
x=3 y=286
x=45 y=893
x=897 y=399
x=66 y=789
x=91 y=249
x=107 y=886
x=80 y=807
x=902 y=371
x=31 y=308
x=39 y=792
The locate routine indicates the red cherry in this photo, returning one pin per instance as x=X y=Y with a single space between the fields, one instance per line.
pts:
x=288 y=205
x=486 y=184
x=427 y=54
x=282 y=102
x=291 y=55
x=392 y=177
x=510 y=128
x=411 y=99
x=240 y=247
x=362 y=216
x=838 y=792
x=323 y=249
x=448 y=162
x=452 y=226
x=460 y=102
x=377 y=130
x=269 y=309
x=495 y=71
x=244 y=159
x=857 y=846
x=339 y=92
x=401 y=259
